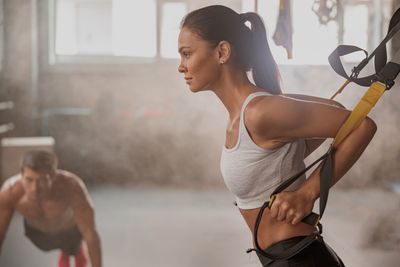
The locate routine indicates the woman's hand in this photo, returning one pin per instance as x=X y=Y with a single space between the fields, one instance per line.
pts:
x=291 y=207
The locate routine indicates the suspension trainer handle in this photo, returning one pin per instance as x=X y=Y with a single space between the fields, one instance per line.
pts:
x=311 y=219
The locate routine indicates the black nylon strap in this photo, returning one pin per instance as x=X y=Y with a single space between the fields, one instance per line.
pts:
x=389 y=74
x=337 y=65
x=305 y=242
x=296 y=176
x=311 y=219
x=326 y=174
x=325 y=180
x=379 y=54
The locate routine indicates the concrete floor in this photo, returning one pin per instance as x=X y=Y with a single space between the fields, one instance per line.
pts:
x=191 y=228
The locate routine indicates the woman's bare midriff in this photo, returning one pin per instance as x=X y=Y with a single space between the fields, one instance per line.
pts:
x=271 y=230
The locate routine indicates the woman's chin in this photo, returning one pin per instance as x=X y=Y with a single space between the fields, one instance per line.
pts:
x=194 y=89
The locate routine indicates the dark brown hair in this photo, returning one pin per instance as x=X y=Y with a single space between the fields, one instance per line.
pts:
x=39 y=160
x=250 y=46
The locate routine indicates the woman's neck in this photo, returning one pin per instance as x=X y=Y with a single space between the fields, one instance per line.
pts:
x=232 y=90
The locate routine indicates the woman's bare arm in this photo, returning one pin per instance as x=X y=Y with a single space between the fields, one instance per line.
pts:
x=314 y=143
x=286 y=119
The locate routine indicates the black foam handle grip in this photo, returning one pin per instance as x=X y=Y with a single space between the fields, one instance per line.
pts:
x=311 y=219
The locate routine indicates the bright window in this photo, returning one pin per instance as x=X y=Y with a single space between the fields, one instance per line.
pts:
x=134 y=28
x=172 y=14
x=106 y=27
x=312 y=41
x=356 y=30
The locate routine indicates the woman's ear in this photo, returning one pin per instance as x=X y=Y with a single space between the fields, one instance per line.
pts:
x=224 y=51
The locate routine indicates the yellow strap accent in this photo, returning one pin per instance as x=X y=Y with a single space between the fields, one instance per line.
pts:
x=318 y=220
x=367 y=102
x=271 y=200
x=339 y=91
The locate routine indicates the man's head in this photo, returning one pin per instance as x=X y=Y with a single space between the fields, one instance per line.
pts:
x=38 y=168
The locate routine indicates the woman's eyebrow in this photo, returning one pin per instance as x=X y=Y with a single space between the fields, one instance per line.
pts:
x=182 y=47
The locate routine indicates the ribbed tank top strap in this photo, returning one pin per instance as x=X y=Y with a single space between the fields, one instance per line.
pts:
x=250 y=97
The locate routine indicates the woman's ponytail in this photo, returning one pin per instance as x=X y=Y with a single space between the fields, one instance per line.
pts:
x=264 y=68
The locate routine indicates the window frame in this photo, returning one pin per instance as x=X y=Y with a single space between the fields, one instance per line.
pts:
x=54 y=59
x=2 y=29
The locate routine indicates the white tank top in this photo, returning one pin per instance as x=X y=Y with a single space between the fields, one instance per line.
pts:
x=251 y=172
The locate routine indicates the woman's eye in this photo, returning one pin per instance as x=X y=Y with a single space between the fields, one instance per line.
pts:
x=186 y=54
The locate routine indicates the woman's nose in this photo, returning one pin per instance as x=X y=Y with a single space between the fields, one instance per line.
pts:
x=181 y=68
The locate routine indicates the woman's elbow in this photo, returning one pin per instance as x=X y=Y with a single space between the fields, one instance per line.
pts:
x=337 y=104
x=369 y=126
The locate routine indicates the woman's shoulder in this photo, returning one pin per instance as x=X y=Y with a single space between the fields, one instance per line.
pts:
x=267 y=107
x=269 y=116
x=261 y=112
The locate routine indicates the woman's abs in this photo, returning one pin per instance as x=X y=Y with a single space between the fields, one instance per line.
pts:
x=271 y=230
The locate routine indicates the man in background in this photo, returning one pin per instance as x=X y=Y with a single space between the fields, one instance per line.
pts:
x=57 y=210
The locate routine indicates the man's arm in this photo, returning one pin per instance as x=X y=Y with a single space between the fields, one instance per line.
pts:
x=6 y=211
x=84 y=218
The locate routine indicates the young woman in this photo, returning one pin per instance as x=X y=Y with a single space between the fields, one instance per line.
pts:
x=268 y=133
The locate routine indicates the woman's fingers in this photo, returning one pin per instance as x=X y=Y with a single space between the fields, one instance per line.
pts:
x=290 y=215
x=274 y=209
x=283 y=208
x=297 y=218
x=279 y=209
x=289 y=207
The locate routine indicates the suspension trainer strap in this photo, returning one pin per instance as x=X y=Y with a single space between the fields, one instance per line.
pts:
x=378 y=83
x=379 y=55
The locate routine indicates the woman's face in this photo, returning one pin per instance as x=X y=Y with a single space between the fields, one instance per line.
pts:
x=199 y=61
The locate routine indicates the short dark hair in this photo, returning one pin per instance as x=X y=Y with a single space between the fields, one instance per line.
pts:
x=39 y=160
